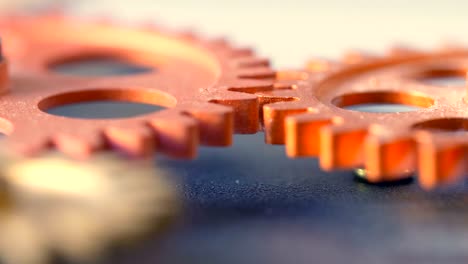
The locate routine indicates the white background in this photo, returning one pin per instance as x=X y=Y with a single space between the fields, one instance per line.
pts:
x=289 y=32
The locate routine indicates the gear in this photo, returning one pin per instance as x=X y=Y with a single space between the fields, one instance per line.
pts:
x=77 y=210
x=206 y=85
x=432 y=141
x=3 y=72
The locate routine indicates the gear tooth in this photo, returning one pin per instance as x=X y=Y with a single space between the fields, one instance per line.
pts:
x=285 y=85
x=342 y=146
x=441 y=159
x=274 y=116
x=26 y=145
x=285 y=94
x=241 y=52
x=216 y=123
x=389 y=156
x=302 y=133
x=79 y=146
x=252 y=62
x=292 y=75
x=177 y=135
x=275 y=96
x=246 y=110
x=22 y=141
x=290 y=79
x=356 y=57
x=249 y=85
x=321 y=65
x=256 y=73
x=400 y=50
x=222 y=43
x=139 y=141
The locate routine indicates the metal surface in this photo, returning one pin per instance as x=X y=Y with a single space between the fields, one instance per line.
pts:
x=432 y=140
x=194 y=80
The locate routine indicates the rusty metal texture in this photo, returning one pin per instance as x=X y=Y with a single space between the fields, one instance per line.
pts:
x=206 y=85
x=432 y=141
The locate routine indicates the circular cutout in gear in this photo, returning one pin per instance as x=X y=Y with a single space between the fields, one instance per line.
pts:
x=390 y=146
x=207 y=85
x=88 y=67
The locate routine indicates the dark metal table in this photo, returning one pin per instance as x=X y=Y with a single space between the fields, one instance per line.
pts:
x=251 y=204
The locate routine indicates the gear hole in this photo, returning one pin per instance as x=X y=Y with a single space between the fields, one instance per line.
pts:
x=99 y=65
x=103 y=110
x=382 y=102
x=106 y=104
x=443 y=77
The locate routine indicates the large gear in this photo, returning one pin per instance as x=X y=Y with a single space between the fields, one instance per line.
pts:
x=432 y=141
x=206 y=85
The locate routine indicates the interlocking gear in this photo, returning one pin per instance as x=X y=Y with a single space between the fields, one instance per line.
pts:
x=206 y=85
x=432 y=141
x=77 y=210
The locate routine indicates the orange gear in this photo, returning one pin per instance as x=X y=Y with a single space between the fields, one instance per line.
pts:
x=201 y=82
x=3 y=72
x=390 y=146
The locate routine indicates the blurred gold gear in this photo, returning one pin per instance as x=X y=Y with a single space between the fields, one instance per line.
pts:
x=52 y=206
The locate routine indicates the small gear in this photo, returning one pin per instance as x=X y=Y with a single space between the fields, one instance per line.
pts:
x=206 y=85
x=432 y=141
x=52 y=206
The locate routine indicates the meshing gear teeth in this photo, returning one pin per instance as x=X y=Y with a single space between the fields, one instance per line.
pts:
x=206 y=85
x=78 y=210
x=432 y=141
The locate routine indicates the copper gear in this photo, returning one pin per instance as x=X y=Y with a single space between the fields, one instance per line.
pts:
x=390 y=146
x=200 y=81
x=3 y=72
